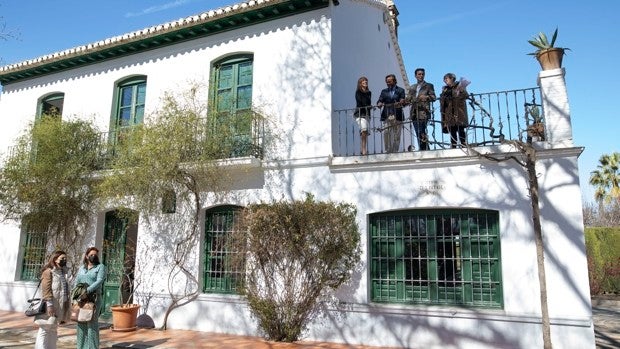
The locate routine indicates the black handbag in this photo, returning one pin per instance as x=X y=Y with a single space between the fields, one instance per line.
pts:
x=36 y=306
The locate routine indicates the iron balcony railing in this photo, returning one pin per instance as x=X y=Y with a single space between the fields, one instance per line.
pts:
x=248 y=142
x=493 y=118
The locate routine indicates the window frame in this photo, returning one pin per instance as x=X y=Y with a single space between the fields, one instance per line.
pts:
x=34 y=253
x=456 y=259
x=49 y=99
x=134 y=83
x=218 y=277
x=238 y=122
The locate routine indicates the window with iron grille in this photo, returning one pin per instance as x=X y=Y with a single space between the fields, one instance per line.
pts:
x=35 y=252
x=219 y=275
x=443 y=256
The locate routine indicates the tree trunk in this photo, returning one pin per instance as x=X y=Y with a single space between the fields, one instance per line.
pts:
x=530 y=164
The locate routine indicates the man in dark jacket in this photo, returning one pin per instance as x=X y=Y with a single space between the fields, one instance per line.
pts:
x=391 y=99
x=420 y=97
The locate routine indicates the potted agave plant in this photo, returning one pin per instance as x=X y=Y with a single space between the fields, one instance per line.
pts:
x=549 y=56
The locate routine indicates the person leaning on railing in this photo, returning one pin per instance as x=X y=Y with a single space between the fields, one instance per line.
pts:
x=392 y=100
x=420 y=96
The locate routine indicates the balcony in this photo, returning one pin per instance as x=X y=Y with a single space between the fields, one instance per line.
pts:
x=493 y=118
x=241 y=140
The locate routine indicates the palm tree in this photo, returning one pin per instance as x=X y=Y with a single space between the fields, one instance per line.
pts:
x=606 y=178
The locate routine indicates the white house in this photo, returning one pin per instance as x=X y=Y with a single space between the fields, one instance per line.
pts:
x=449 y=258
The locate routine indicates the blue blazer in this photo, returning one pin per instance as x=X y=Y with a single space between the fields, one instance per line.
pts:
x=389 y=100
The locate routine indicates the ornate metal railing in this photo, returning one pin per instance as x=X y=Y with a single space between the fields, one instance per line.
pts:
x=236 y=144
x=493 y=118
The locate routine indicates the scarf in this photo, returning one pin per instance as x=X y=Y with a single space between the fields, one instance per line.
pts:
x=59 y=282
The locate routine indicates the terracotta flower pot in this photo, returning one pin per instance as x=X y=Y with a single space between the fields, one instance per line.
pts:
x=536 y=130
x=124 y=317
x=551 y=58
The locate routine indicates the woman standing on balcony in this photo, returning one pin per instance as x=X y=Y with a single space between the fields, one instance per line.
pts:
x=454 y=110
x=362 y=111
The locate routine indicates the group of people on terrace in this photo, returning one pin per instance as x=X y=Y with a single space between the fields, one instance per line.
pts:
x=419 y=97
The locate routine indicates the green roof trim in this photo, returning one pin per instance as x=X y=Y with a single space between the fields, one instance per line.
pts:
x=173 y=33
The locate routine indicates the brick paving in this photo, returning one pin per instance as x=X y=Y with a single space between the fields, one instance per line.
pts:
x=18 y=332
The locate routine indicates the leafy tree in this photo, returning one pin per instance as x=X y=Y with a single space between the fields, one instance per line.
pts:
x=295 y=254
x=47 y=181
x=606 y=178
x=174 y=160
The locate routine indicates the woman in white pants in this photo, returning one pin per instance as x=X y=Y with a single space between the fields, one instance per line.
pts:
x=55 y=292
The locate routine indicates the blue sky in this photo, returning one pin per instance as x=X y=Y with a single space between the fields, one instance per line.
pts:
x=483 y=40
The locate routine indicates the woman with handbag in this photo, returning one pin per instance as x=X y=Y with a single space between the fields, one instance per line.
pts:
x=55 y=292
x=93 y=274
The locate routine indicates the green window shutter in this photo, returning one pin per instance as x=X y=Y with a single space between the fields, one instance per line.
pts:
x=231 y=96
x=436 y=257
x=131 y=101
x=129 y=104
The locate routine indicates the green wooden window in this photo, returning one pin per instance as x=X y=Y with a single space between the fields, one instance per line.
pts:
x=130 y=102
x=130 y=97
x=233 y=84
x=449 y=257
x=51 y=105
x=35 y=253
x=231 y=91
x=219 y=275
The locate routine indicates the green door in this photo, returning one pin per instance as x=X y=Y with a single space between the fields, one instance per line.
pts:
x=118 y=256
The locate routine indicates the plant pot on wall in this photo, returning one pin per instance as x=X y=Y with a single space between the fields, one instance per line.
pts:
x=548 y=55
x=551 y=58
x=124 y=317
x=537 y=129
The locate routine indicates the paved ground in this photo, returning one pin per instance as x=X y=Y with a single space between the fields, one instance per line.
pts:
x=18 y=332
x=606 y=314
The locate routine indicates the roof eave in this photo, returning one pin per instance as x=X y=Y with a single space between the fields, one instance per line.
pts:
x=205 y=24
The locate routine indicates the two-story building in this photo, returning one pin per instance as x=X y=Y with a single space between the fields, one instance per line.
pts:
x=448 y=244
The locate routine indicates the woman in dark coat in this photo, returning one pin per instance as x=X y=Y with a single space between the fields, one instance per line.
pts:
x=362 y=111
x=454 y=110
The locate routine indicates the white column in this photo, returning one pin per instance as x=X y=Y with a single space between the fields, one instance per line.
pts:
x=556 y=110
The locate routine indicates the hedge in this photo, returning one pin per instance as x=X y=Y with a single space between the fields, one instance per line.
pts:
x=603 y=253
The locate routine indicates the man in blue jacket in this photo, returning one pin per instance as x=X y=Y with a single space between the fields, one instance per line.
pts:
x=391 y=99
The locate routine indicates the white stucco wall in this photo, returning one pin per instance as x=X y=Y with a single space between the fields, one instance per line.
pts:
x=304 y=67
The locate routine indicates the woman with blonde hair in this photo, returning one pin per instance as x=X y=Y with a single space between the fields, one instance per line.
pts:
x=362 y=111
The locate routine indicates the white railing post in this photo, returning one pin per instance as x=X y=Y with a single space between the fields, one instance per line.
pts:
x=556 y=109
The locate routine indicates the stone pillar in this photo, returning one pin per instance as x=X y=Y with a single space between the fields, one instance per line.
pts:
x=556 y=110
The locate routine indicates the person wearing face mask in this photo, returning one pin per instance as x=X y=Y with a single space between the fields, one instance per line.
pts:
x=93 y=274
x=55 y=292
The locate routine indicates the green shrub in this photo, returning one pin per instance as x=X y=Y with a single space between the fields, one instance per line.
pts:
x=603 y=253
x=295 y=254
